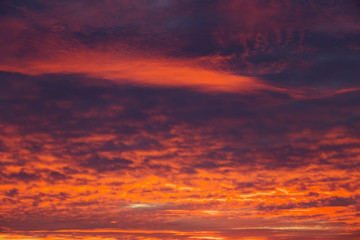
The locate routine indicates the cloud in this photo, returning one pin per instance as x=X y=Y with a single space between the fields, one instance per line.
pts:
x=114 y=144
x=216 y=46
x=104 y=164
x=179 y=119
x=23 y=176
x=147 y=72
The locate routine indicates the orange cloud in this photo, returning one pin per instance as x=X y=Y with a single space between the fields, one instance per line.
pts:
x=145 y=71
x=102 y=135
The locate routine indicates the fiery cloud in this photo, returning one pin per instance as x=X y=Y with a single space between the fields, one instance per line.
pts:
x=179 y=120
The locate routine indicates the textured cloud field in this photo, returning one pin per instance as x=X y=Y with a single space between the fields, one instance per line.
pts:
x=180 y=120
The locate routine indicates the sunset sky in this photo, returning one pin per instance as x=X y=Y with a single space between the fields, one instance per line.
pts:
x=179 y=119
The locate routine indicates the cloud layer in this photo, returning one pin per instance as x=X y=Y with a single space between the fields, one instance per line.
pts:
x=179 y=120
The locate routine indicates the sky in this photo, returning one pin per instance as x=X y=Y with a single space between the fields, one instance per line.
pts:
x=179 y=119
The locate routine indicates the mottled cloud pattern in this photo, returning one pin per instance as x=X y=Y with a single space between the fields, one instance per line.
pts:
x=179 y=119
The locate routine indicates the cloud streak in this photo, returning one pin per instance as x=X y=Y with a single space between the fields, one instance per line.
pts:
x=145 y=72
